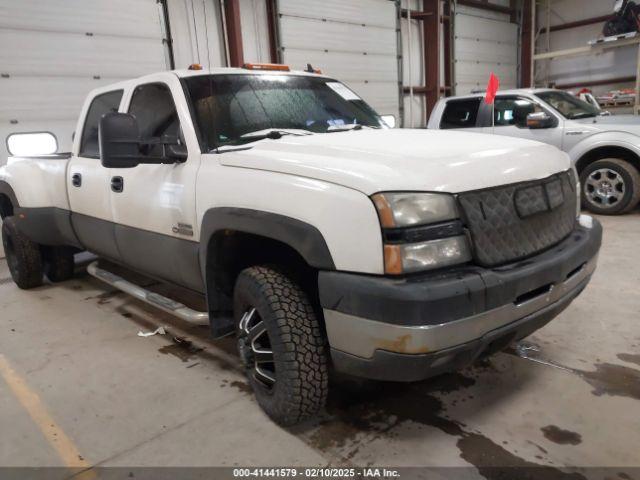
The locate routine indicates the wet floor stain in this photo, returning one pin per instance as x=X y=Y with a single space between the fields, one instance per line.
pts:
x=241 y=386
x=354 y=420
x=181 y=348
x=606 y=379
x=561 y=436
x=630 y=357
x=105 y=297
x=612 y=379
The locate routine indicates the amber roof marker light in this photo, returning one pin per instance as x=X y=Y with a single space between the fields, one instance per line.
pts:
x=277 y=67
x=195 y=66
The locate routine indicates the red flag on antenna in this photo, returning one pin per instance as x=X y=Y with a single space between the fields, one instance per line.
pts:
x=492 y=89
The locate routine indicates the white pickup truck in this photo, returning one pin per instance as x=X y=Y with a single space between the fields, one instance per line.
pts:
x=604 y=149
x=320 y=237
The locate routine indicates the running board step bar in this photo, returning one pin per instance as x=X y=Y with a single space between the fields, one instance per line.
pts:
x=154 y=299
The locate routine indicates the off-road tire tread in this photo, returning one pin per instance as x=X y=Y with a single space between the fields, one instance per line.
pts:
x=58 y=264
x=633 y=173
x=29 y=258
x=302 y=373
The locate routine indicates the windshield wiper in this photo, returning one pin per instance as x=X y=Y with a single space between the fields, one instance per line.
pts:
x=578 y=116
x=348 y=127
x=274 y=133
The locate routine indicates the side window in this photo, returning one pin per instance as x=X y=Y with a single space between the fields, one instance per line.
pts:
x=153 y=106
x=460 y=113
x=513 y=111
x=104 y=103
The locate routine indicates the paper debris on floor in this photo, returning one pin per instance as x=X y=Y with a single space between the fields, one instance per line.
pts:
x=157 y=331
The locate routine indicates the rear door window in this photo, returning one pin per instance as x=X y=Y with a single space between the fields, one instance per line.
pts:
x=460 y=113
x=103 y=103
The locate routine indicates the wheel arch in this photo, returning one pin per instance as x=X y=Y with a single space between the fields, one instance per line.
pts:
x=608 y=151
x=234 y=238
x=8 y=200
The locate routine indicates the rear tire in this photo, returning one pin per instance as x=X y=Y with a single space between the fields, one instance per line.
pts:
x=23 y=256
x=58 y=264
x=275 y=315
x=610 y=186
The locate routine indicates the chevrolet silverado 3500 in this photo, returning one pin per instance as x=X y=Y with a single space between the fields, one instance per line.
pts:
x=321 y=238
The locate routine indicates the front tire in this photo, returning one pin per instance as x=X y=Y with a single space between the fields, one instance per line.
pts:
x=610 y=186
x=23 y=256
x=281 y=344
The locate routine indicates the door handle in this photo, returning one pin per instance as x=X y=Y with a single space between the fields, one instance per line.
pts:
x=76 y=180
x=117 y=184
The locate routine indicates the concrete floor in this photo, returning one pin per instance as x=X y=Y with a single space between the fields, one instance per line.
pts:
x=117 y=399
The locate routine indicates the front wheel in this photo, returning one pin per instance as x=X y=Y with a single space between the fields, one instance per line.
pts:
x=281 y=345
x=610 y=186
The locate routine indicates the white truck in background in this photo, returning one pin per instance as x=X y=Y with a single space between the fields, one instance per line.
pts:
x=605 y=149
x=321 y=238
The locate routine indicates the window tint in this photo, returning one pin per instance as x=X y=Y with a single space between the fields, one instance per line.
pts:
x=513 y=111
x=153 y=107
x=105 y=103
x=460 y=113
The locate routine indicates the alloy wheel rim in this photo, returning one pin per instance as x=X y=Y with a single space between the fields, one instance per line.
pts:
x=255 y=348
x=604 y=188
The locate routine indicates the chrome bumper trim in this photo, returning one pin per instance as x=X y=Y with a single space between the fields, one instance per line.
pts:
x=362 y=337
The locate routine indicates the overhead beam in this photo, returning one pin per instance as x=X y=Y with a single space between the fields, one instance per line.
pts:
x=580 y=23
x=234 y=32
x=486 y=6
x=595 y=83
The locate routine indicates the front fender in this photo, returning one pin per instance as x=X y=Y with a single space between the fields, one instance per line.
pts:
x=605 y=139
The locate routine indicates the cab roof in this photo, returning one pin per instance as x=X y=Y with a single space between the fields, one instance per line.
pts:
x=513 y=91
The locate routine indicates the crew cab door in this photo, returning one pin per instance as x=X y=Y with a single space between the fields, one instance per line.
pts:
x=510 y=119
x=464 y=114
x=88 y=181
x=153 y=205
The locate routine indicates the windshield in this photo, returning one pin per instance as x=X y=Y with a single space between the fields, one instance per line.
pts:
x=569 y=106
x=228 y=107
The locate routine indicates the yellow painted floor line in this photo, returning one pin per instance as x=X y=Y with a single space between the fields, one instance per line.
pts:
x=31 y=402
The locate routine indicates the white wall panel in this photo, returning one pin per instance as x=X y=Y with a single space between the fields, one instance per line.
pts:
x=254 y=23
x=196 y=29
x=353 y=41
x=52 y=53
x=484 y=42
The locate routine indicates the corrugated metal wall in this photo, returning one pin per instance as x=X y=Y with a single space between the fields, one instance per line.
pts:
x=52 y=53
x=355 y=41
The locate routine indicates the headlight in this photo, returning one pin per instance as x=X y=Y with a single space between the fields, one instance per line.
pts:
x=421 y=231
x=408 y=209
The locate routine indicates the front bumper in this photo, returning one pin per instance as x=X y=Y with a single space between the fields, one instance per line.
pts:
x=413 y=328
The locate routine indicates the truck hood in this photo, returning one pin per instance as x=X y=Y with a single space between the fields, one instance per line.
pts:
x=612 y=123
x=401 y=159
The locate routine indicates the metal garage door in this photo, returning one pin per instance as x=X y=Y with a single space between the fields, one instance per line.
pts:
x=354 y=41
x=484 y=42
x=53 y=52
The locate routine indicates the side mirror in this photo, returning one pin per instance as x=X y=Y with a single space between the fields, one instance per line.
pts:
x=119 y=140
x=540 y=120
x=177 y=151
